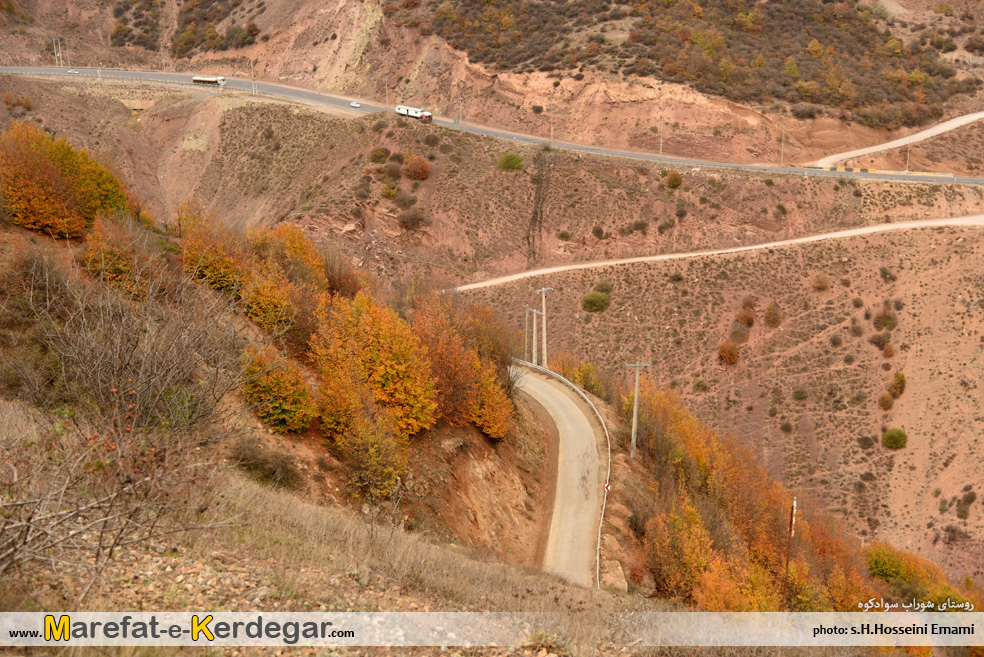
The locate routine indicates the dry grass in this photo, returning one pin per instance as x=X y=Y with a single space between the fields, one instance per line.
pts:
x=296 y=533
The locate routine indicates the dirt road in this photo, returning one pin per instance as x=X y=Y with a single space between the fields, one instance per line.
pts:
x=946 y=126
x=573 y=534
x=972 y=220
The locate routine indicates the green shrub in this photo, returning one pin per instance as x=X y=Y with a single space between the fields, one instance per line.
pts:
x=598 y=231
x=897 y=387
x=563 y=235
x=894 y=438
x=595 y=302
x=604 y=285
x=800 y=394
x=276 y=387
x=674 y=179
x=510 y=162
x=378 y=155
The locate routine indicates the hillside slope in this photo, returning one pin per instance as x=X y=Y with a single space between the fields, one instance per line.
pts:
x=808 y=394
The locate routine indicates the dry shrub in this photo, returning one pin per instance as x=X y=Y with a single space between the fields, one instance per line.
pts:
x=740 y=333
x=412 y=218
x=119 y=254
x=176 y=355
x=266 y=465
x=888 y=351
x=886 y=402
x=112 y=485
x=393 y=170
x=820 y=283
x=746 y=316
x=404 y=198
x=728 y=352
x=418 y=169
x=773 y=315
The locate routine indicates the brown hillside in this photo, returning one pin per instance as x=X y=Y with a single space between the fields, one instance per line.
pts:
x=806 y=395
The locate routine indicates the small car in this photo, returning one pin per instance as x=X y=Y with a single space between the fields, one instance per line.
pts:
x=354 y=104
x=73 y=72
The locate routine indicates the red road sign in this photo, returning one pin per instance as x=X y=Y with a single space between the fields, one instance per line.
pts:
x=608 y=487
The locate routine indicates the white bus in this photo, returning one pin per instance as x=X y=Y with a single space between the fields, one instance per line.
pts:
x=415 y=112
x=209 y=80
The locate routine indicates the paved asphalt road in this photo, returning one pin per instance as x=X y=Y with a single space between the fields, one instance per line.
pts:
x=315 y=98
x=972 y=220
x=571 y=549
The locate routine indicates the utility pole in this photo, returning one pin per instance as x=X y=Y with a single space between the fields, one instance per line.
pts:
x=907 y=154
x=789 y=547
x=635 y=407
x=526 y=334
x=660 y=134
x=544 y=291
x=782 y=148
x=67 y=53
x=535 y=313
x=551 y=120
x=461 y=104
x=252 y=77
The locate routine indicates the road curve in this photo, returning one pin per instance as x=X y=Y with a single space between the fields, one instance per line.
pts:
x=946 y=126
x=295 y=94
x=572 y=538
x=971 y=220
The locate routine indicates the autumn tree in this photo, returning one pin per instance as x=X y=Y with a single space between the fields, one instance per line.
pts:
x=454 y=366
x=49 y=186
x=359 y=340
x=278 y=390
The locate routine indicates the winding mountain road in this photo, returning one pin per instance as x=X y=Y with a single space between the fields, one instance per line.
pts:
x=936 y=130
x=572 y=538
x=971 y=220
x=318 y=98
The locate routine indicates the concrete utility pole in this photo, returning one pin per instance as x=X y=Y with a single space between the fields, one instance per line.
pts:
x=782 y=148
x=526 y=334
x=789 y=547
x=461 y=104
x=635 y=407
x=535 y=313
x=660 y=134
x=544 y=291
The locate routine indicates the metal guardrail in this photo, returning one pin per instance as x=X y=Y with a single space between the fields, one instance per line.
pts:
x=608 y=477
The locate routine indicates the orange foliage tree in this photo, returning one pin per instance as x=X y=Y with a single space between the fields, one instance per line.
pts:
x=716 y=484
x=48 y=186
x=453 y=365
x=361 y=343
x=212 y=254
x=267 y=298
